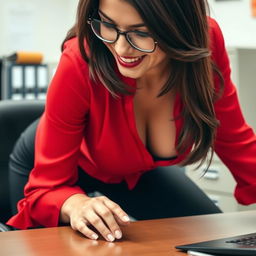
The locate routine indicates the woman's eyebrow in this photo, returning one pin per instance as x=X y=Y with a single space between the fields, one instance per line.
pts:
x=132 y=26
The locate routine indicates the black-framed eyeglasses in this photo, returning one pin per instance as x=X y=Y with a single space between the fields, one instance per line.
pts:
x=109 y=33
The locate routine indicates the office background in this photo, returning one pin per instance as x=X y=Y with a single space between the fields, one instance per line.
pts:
x=35 y=25
x=49 y=21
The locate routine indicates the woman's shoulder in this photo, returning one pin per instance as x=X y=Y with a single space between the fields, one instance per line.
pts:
x=217 y=43
x=71 y=48
x=214 y=29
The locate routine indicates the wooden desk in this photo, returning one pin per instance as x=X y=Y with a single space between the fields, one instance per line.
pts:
x=151 y=238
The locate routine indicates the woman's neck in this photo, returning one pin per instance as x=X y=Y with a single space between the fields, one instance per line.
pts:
x=154 y=81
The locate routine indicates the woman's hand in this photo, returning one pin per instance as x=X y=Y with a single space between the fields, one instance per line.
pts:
x=100 y=212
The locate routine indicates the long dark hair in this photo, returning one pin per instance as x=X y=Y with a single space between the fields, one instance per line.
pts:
x=181 y=29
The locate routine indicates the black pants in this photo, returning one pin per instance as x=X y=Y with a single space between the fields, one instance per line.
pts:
x=163 y=192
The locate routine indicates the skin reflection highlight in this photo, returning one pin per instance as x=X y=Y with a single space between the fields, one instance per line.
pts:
x=79 y=246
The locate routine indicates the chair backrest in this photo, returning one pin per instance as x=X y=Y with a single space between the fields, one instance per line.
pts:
x=15 y=116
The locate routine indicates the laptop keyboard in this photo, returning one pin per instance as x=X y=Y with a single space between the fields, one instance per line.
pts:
x=237 y=245
x=247 y=241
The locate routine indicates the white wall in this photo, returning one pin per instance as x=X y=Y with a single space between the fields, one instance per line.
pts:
x=35 y=25
x=236 y=22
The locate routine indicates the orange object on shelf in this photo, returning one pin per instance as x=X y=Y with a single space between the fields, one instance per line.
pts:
x=22 y=57
x=253 y=4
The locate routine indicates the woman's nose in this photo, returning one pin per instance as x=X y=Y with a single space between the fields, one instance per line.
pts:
x=122 y=47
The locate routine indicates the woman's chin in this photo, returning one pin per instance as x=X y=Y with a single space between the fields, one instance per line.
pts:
x=135 y=74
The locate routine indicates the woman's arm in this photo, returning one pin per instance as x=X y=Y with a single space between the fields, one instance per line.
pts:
x=235 y=141
x=57 y=146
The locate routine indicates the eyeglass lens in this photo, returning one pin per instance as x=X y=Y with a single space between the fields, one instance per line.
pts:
x=108 y=32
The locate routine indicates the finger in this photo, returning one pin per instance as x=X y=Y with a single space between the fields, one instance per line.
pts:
x=120 y=222
x=82 y=227
x=96 y=221
x=106 y=214
x=117 y=211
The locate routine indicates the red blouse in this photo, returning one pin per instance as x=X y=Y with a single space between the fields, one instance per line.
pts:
x=84 y=125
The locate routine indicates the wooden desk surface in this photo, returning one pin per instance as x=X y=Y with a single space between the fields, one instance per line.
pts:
x=151 y=238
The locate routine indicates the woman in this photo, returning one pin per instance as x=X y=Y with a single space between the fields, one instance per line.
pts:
x=140 y=84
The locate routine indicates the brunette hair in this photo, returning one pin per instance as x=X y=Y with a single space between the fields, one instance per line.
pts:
x=181 y=29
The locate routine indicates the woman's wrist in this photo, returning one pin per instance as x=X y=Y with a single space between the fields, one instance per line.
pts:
x=68 y=205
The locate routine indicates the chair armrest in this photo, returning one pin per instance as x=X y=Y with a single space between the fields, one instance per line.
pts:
x=4 y=228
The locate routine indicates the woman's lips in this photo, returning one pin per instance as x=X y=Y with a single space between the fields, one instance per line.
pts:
x=129 y=62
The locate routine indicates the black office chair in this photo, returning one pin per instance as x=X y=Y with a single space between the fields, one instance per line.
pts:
x=15 y=116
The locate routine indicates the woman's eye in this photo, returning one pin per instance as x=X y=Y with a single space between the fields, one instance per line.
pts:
x=108 y=25
x=142 y=34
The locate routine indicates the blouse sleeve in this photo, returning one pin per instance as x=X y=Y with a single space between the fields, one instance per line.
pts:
x=57 y=146
x=235 y=140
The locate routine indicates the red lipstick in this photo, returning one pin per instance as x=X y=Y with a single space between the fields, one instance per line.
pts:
x=130 y=64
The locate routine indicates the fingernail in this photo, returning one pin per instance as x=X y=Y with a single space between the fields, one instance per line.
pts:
x=110 y=238
x=118 y=234
x=125 y=218
x=94 y=237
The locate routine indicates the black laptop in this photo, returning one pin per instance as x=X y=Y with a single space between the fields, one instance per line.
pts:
x=241 y=245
